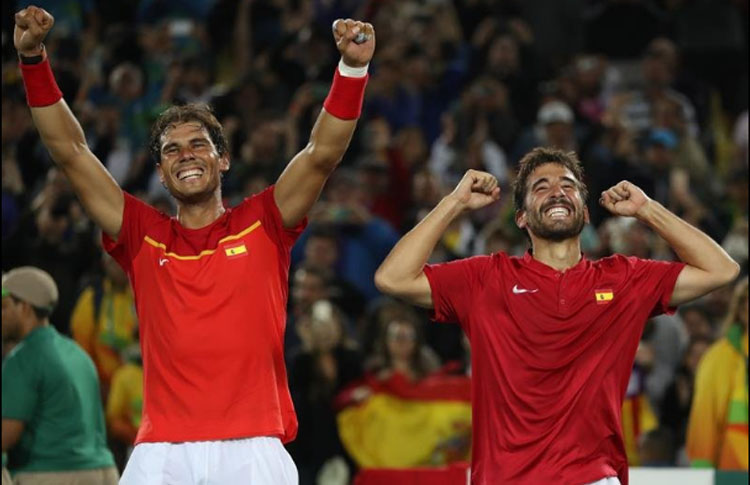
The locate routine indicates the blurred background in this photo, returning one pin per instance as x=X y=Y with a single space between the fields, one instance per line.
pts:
x=653 y=91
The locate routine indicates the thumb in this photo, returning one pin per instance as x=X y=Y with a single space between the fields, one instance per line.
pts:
x=21 y=20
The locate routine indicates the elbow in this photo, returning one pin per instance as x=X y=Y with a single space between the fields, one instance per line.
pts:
x=384 y=283
x=732 y=272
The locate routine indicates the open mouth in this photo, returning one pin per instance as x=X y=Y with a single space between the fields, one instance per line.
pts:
x=557 y=212
x=188 y=174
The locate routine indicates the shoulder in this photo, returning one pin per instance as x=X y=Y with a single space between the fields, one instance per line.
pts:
x=718 y=352
x=135 y=205
x=256 y=202
x=718 y=358
x=24 y=360
x=615 y=261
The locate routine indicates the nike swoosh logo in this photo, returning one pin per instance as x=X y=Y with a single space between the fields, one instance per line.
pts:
x=518 y=290
x=162 y=262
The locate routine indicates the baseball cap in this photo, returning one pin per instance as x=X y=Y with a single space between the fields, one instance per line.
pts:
x=31 y=285
x=555 y=112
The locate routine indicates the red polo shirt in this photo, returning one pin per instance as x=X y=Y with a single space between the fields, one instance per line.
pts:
x=551 y=355
x=211 y=305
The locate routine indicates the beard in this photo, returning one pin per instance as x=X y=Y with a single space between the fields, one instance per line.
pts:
x=556 y=230
x=194 y=198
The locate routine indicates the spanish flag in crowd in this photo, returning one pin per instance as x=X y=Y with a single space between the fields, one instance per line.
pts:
x=404 y=424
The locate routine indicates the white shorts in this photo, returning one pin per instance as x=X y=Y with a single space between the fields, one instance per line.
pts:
x=607 y=481
x=261 y=460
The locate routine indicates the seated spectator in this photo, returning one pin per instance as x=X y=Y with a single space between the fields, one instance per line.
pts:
x=717 y=428
x=53 y=425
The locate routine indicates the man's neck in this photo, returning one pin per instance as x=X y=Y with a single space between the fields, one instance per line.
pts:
x=561 y=255
x=30 y=327
x=196 y=216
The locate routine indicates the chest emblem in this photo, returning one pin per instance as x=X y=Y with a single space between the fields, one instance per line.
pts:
x=603 y=296
x=518 y=291
x=235 y=251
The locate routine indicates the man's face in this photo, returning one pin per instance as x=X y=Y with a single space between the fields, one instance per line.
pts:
x=553 y=207
x=321 y=252
x=307 y=289
x=190 y=165
x=12 y=311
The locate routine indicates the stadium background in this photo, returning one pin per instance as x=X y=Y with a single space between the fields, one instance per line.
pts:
x=650 y=91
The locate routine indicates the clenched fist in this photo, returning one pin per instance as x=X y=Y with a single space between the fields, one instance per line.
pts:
x=32 y=25
x=476 y=190
x=355 y=54
x=624 y=199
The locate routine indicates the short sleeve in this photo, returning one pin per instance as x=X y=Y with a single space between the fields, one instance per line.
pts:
x=271 y=219
x=454 y=285
x=137 y=216
x=19 y=389
x=655 y=281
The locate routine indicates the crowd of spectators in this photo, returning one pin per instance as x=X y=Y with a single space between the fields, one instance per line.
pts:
x=654 y=92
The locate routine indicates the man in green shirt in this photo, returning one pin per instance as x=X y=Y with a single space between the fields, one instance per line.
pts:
x=53 y=423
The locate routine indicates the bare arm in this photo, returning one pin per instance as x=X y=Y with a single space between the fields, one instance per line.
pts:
x=299 y=186
x=63 y=137
x=402 y=272
x=12 y=430
x=708 y=265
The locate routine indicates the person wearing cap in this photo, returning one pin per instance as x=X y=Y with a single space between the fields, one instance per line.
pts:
x=555 y=127
x=53 y=423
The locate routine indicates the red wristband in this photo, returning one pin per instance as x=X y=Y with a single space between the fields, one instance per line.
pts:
x=344 y=100
x=40 y=84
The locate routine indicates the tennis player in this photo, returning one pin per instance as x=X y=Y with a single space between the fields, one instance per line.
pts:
x=210 y=284
x=553 y=334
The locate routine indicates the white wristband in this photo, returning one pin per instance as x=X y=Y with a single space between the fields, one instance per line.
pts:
x=350 y=71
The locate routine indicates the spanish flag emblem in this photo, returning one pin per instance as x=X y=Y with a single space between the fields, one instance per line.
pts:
x=603 y=296
x=234 y=251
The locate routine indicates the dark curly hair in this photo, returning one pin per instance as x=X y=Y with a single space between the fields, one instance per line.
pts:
x=541 y=156
x=200 y=113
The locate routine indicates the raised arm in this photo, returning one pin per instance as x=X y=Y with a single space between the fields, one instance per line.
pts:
x=299 y=186
x=708 y=265
x=61 y=133
x=402 y=272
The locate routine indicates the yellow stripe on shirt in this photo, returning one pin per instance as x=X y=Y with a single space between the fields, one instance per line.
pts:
x=205 y=252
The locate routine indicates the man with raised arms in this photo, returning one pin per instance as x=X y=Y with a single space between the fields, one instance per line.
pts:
x=211 y=283
x=553 y=334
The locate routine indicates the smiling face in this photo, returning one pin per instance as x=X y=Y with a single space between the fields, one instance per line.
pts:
x=190 y=166
x=553 y=207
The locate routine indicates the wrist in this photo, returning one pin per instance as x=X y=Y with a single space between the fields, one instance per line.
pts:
x=351 y=69
x=453 y=205
x=344 y=100
x=33 y=52
x=646 y=211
